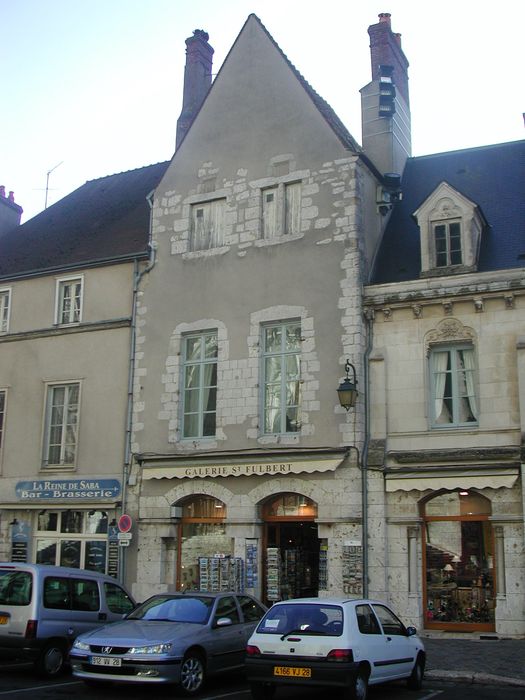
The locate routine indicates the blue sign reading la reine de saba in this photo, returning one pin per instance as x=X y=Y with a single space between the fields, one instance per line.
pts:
x=66 y=489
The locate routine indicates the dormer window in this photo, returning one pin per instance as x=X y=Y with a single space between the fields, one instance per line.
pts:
x=447 y=239
x=450 y=226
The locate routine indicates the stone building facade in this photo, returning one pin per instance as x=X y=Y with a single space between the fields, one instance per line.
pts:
x=265 y=227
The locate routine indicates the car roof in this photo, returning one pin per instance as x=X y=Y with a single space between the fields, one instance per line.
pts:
x=201 y=594
x=334 y=600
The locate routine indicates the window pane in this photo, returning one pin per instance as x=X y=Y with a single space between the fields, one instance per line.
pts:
x=453 y=400
x=281 y=378
x=95 y=555
x=71 y=521
x=293 y=208
x=70 y=553
x=48 y=521
x=210 y=346
x=46 y=552
x=272 y=338
x=96 y=522
x=200 y=386
x=270 y=228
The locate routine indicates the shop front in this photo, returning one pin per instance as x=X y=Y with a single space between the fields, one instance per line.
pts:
x=226 y=523
x=65 y=522
x=458 y=548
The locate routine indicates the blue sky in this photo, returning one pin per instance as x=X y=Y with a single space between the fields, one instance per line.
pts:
x=94 y=87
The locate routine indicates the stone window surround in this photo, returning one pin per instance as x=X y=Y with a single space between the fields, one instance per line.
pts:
x=446 y=205
x=241 y=376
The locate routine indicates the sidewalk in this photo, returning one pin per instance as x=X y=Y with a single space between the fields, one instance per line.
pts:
x=486 y=661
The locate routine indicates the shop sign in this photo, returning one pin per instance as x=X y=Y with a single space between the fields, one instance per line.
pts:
x=191 y=471
x=68 y=489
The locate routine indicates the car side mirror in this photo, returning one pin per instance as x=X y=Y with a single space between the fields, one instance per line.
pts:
x=411 y=631
x=223 y=622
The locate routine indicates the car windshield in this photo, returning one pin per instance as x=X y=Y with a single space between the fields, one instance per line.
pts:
x=15 y=587
x=186 y=608
x=303 y=618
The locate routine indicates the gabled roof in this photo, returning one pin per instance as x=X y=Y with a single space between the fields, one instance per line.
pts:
x=322 y=106
x=493 y=177
x=103 y=220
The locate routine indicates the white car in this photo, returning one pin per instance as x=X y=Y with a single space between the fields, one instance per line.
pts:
x=332 y=643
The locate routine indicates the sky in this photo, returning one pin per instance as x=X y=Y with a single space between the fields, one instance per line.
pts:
x=94 y=87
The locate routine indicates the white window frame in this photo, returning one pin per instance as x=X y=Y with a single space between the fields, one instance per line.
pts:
x=73 y=315
x=201 y=388
x=48 y=537
x=453 y=387
x=63 y=425
x=5 y=309
x=448 y=251
x=281 y=216
x=208 y=223
x=3 y=413
x=280 y=385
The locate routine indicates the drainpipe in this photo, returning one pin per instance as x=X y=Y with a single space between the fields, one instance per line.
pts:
x=137 y=277
x=364 y=460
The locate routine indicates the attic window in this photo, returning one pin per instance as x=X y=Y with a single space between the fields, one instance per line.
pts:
x=281 y=210
x=208 y=224
x=451 y=226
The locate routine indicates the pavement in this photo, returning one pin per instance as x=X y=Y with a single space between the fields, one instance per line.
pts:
x=489 y=661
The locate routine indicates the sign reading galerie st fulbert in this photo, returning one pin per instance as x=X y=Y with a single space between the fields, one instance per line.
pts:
x=67 y=489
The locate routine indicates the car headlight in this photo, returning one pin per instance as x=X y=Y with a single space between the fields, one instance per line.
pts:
x=153 y=649
x=81 y=646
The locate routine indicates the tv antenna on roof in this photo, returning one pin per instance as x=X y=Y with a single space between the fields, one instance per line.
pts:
x=47 y=181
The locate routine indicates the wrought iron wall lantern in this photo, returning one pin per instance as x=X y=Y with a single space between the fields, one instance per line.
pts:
x=347 y=390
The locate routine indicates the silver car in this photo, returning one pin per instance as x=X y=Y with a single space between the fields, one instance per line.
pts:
x=171 y=638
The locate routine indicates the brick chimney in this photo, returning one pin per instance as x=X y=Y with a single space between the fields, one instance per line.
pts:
x=197 y=80
x=385 y=105
x=10 y=213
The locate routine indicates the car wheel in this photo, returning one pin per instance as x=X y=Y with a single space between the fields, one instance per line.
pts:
x=415 y=680
x=192 y=674
x=359 y=687
x=262 y=691
x=51 y=661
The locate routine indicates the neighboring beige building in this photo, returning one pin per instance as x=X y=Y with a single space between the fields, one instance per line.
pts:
x=67 y=281
x=447 y=382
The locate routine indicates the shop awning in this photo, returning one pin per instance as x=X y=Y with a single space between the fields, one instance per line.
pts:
x=191 y=469
x=457 y=479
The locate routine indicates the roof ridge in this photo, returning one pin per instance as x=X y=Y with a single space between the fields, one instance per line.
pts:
x=469 y=149
x=130 y=170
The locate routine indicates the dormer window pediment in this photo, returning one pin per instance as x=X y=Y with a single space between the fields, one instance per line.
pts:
x=450 y=227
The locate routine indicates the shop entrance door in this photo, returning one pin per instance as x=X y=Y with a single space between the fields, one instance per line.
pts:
x=291 y=549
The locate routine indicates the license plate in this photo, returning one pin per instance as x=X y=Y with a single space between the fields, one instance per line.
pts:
x=3 y=619
x=105 y=661
x=292 y=671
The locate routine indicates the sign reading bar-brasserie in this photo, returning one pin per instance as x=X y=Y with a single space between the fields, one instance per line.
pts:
x=191 y=471
x=68 y=489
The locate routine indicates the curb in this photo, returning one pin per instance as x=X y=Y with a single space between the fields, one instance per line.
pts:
x=473 y=677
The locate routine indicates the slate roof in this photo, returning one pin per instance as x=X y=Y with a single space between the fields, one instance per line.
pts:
x=493 y=177
x=103 y=220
